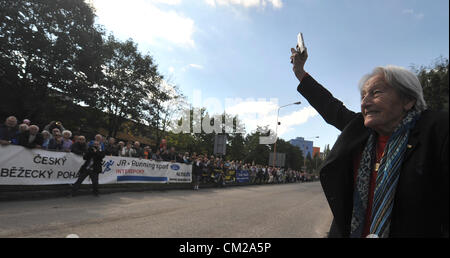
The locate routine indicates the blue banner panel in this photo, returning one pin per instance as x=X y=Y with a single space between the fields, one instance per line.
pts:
x=242 y=176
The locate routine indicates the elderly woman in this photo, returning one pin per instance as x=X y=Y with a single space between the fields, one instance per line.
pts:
x=387 y=174
x=67 y=142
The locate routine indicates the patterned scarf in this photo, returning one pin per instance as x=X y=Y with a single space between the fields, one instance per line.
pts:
x=386 y=182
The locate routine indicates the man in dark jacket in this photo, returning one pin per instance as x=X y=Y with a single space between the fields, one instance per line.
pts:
x=138 y=150
x=80 y=146
x=197 y=170
x=8 y=130
x=111 y=148
x=31 y=138
x=92 y=167
x=387 y=174
x=172 y=155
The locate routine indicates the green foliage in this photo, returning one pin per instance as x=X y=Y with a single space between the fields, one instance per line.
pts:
x=434 y=80
x=48 y=49
x=294 y=156
x=129 y=82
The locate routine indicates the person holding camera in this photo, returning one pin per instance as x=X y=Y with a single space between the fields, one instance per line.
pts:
x=54 y=124
x=92 y=167
x=387 y=174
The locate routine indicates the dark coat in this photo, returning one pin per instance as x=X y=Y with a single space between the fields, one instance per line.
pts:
x=79 y=148
x=23 y=140
x=138 y=153
x=97 y=158
x=8 y=133
x=197 y=170
x=421 y=205
x=53 y=145
x=112 y=150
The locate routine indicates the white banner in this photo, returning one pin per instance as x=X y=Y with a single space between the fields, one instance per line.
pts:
x=21 y=166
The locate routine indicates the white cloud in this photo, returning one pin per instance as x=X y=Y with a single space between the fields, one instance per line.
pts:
x=411 y=12
x=196 y=66
x=246 y=3
x=193 y=66
x=295 y=118
x=145 y=22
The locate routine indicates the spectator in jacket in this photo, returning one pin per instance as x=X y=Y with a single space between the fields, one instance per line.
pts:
x=127 y=151
x=31 y=138
x=111 y=148
x=157 y=156
x=138 y=150
x=67 y=142
x=54 y=124
x=45 y=139
x=22 y=129
x=55 y=131
x=172 y=155
x=56 y=143
x=8 y=130
x=80 y=147
x=100 y=139
x=147 y=152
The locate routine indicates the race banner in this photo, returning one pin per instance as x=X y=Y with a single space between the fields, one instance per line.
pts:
x=21 y=166
x=242 y=176
x=179 y=173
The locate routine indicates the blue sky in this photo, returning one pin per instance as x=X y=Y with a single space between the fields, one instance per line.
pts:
x=216 y=50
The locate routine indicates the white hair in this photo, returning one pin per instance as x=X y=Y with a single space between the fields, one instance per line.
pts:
x=23 y=127
x=34 y=126
x=67 y=131
x=402 y=80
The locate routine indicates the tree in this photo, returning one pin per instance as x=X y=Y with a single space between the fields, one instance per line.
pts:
x=434 y=81
x=255 y=152
x=294 y=156
x=317 y=161
x=326 y=151
x=309 y=163
x=130 y=81
x=165 y=107
x=236 y=148
x=49 y=49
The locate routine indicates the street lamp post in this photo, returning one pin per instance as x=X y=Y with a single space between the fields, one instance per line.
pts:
x=276 y=132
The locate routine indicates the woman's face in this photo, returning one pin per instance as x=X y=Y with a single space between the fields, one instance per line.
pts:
x=382 y=107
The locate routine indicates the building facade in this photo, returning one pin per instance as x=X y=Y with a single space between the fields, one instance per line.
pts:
x=305 y=146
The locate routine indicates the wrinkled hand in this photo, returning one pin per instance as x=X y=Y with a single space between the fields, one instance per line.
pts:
x=298 y=60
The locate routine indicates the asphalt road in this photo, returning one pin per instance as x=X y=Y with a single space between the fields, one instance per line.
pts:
x=263 y=211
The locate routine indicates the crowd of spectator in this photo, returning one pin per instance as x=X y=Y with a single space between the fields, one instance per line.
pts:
x=55 y=137
x=215 y=170
x=206 y=168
